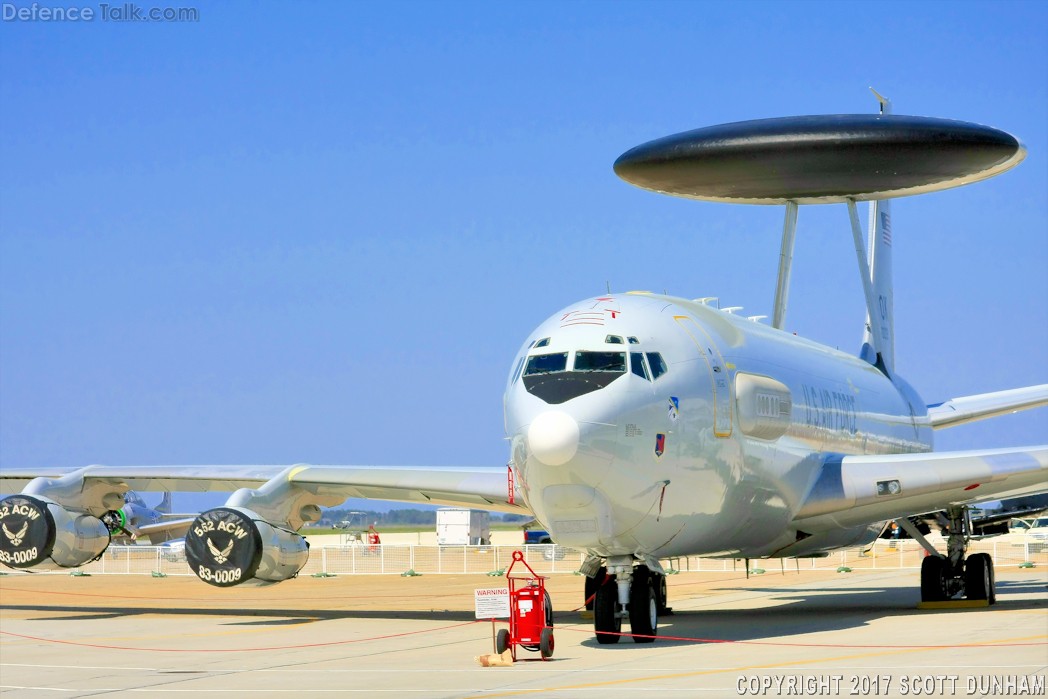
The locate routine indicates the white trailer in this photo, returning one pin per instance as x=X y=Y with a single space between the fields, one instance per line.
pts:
x=460 y=527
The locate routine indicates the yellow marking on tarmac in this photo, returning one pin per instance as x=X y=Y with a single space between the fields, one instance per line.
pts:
x=954 y=604
x=744 y=668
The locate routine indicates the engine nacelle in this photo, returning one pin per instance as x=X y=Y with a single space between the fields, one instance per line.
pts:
x=39 y=534
x=230 y=546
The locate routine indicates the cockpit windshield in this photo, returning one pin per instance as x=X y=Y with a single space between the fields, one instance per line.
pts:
x=546 y=363
x=614 y=362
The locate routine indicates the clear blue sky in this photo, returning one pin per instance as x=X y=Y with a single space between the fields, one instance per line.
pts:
x=319 y=232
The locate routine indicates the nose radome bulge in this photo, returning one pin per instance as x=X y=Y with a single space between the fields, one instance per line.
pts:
x=553 y=438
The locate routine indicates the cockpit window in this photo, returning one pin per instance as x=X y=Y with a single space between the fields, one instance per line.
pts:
x=516 y=370
x=657 y=364
x=613 y=340
x=633 y=340
x=543 y=342
x=614 y=362
x=546 y=363
x=637 y=365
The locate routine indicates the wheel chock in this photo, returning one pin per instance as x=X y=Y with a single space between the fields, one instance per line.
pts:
x=504 y=659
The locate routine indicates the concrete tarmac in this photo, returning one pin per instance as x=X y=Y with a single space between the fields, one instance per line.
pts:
x=814 y=633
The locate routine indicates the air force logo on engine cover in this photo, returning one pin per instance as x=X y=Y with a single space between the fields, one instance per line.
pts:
x=223 y=555
x=16 y=539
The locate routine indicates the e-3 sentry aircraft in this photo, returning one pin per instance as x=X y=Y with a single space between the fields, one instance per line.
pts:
x=645 y=426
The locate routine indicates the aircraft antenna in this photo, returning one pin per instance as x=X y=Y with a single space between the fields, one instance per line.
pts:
x=886 y=104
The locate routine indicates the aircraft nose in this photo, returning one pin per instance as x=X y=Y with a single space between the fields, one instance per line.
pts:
x=553 y=437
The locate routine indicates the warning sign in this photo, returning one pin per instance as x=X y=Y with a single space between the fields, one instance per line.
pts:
x=491 y=603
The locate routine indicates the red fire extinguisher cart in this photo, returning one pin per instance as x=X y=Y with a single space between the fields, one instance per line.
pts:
x=530 y=613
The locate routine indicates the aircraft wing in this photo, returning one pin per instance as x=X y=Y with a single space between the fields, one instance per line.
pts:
x=958 y=411
x=855 y=490
x=477 y=487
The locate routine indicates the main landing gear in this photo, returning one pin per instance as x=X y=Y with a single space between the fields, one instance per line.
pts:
x=945 y=577
x=622 y=591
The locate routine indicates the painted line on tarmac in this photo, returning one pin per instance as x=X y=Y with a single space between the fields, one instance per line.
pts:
x=297 y=646
x=699 y=673
x=1038 y=640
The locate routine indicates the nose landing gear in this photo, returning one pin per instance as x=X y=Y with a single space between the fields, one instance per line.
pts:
x=622 y=591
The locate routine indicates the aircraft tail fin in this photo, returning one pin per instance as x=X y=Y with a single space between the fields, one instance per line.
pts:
x=165 y=504
x=880 y=351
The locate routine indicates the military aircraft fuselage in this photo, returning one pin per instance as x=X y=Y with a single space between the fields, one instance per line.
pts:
x=657 y=426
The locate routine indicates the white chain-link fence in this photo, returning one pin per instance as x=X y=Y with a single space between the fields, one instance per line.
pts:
x=549 y=559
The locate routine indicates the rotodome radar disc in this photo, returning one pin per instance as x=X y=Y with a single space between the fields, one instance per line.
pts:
x=820 y=159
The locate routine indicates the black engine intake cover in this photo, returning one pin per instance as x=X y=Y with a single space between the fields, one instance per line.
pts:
x=230 y=546
x=38 y=533
x=27 y=531
x=224 y=547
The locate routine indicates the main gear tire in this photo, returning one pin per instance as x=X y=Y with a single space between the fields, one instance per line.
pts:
x=933 y=579
x=978 y=578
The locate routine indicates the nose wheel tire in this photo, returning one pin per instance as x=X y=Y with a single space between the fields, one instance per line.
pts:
x=661 y=596
x=605 y=622
x=591 y=585
x=643 y=606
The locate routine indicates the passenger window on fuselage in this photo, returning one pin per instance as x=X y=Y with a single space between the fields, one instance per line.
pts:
x=637 y=365
x=546 y=363
x=657 y=364
x=601 y=361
